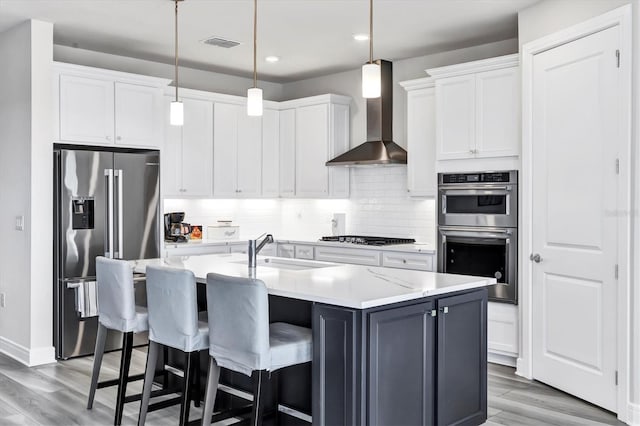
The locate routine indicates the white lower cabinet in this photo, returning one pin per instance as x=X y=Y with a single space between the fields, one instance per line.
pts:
x=420 y=262
x=286 y=250
x=194 y=249
x=348 y=255
x=502 y=333
x=304 y=252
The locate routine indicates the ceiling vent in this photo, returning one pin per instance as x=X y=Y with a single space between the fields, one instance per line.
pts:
x=221 y=42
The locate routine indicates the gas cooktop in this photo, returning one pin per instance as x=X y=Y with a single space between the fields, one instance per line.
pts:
x=367 y=240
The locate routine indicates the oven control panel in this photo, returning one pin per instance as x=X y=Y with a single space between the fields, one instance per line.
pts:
x=486 y=177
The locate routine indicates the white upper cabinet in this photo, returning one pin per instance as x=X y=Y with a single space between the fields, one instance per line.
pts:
x=312 y=131
x=421 y=137
x=102 y=107
x=271 y=153
x=478 y=109
x=312 y=134
x=187 y=156
x=237 y=152
x=288 y=153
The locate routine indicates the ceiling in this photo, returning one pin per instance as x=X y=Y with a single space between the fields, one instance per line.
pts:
x=312 y=37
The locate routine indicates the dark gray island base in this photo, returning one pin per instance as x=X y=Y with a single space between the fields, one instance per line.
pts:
x=420 y=362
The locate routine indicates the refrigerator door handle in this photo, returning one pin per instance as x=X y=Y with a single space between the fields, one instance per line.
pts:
x=119 y=174
x=108 y=173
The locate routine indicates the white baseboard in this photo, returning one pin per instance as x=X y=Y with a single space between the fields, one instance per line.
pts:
x=633 y=414
x=495 y=358
x=28 y=357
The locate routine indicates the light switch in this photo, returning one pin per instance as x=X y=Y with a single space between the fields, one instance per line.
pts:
x=20 y=223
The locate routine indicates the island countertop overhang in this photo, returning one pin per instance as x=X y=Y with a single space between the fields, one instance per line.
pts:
x=351 y=286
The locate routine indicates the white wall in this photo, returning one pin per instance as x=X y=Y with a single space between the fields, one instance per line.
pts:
x=378 y=206
x=25 y=190
x=348 y=83
x=634 y=417
x=549 y=16
x=188 y=77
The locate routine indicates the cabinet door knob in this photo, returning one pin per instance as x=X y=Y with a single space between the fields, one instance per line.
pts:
x=108 y=138
x=444 y=310
x=119 y=138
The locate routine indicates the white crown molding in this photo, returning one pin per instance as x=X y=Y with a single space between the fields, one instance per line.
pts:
x=123 y=77
x=28 y=357
x=418 y=83
x=315 y=100
x=490 y=64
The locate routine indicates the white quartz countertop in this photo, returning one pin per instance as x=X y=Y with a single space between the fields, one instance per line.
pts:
x=408 y=248
x=352 y=286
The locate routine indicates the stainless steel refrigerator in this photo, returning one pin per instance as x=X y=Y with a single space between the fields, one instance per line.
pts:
x=106 y=203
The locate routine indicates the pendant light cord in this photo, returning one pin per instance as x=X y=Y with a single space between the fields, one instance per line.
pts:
x=176 y=46
x=255 y=42
x=370 y=31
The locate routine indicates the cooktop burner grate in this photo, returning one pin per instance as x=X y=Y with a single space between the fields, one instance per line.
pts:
x=368 y=240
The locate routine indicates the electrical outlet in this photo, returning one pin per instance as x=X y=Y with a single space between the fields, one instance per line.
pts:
x=19 y=223
x=2 y=300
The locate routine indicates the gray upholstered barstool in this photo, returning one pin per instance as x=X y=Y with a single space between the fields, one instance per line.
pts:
x=174 y=322
x=241 y=338
x=117 y=310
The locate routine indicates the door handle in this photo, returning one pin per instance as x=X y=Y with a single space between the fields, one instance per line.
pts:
x=120 y=175
x=108 y=173
x=535 y=257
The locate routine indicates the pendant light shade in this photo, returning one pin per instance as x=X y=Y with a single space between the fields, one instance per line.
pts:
x=176 y=112
x=371 y=81
x=254 y=94
x=254 y=102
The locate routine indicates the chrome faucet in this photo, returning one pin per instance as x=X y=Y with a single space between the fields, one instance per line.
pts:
x=254 y=248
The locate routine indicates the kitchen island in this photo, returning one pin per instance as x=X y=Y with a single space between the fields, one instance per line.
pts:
x=389 y=346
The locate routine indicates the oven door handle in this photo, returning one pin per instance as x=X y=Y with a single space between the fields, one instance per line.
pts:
x=460 y=231
x=506 y=188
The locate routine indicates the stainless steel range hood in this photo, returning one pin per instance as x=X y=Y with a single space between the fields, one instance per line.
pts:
x=379 y=148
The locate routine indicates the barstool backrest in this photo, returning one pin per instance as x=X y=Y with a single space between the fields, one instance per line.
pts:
x=238 y=310
x=173 y=307
x=116 y=295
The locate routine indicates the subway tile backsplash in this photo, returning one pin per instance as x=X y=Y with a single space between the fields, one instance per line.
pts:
x=378 y=205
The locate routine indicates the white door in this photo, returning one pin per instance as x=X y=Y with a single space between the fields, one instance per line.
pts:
x=421 y=135
x=270 y=153
x=287 y=153
x=576 y=133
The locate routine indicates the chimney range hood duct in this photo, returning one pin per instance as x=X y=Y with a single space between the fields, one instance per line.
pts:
x=379 y=148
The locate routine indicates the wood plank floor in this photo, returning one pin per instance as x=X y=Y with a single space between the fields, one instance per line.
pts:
x=56 y=394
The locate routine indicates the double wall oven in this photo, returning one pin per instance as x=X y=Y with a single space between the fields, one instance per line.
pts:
x=478 y=228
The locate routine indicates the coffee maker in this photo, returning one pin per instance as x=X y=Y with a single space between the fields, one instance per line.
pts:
x=174 y=229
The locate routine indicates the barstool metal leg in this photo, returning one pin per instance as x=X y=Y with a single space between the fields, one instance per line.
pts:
x=186 y=387
x=152 y=358
x=213 y=376
x=197 y=395
x=97 y=363
x=258 y=377
x=125 y=362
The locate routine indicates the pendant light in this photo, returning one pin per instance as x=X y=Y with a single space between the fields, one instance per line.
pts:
x=176 y=113
x=371 y=71
x=254 y=94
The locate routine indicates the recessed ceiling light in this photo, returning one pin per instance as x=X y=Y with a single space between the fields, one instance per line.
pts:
x=272 y=59
x=361 y=37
